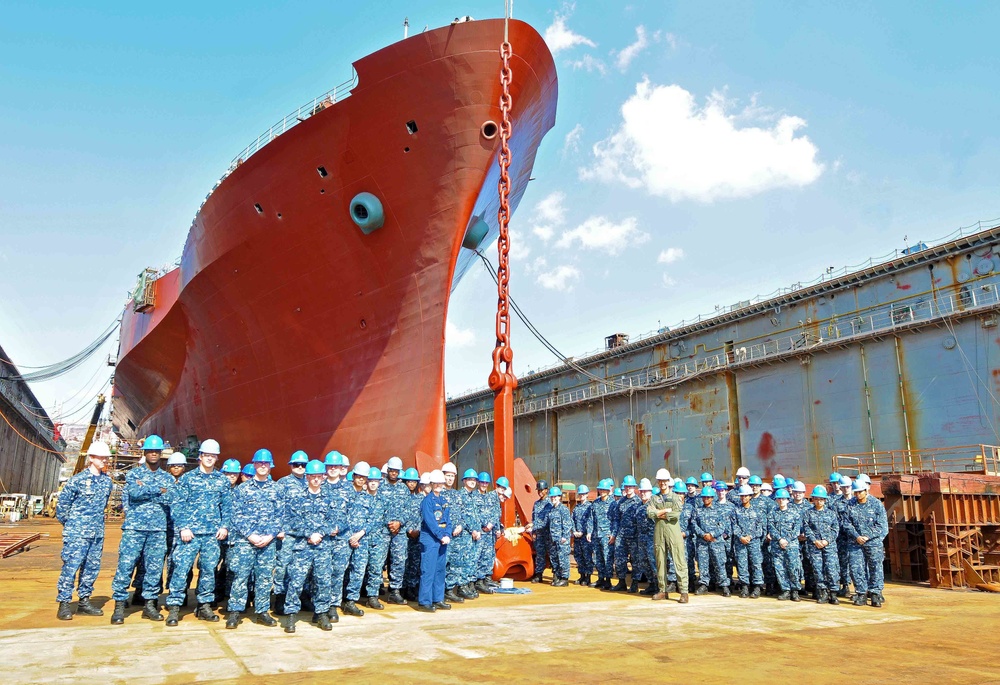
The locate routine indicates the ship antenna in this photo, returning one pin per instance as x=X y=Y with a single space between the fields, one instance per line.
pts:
x=406 y=27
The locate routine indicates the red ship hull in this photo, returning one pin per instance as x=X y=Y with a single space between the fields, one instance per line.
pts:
x=286 y=326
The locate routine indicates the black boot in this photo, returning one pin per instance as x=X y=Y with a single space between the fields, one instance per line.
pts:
x=463 y=592
x=394 y=597
x=428 y=608
x=333 y=615
x=118 y=615
x=65 y=612
x=482 y=587
x=151 y=611
x=322 y=621
x=755 y=592
x=87 y=609
x=452 y=596
x=634 y=588
x=877 y=599
x=650 y=590
x=822 y=597
x=842 y=593
x=265 y=619
x=701 y=589
x=671 y=587
x=350 y=608
x=785 y=594
x=744 y=591
x=833 y=598
x=537 y=578
x=471 y=589
x=444 y=606
x=795 y=595
x=859 y=600
x=173 y=615
x=373 y=603
x=560 y=582
x=232 y=620
x=289 y=623
x=204 y=613
x=137 y=600
x=620 y=586
x=278 y=603
x=726 y=592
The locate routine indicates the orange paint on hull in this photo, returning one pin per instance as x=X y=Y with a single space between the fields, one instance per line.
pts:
x=289 y=328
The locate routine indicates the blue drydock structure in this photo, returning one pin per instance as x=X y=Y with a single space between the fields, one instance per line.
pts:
x=898 y=355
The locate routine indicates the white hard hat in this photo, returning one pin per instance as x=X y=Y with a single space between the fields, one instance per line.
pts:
x=395 y=463
x=362 y=469
x=767 y=487
x=209 y=447
x=743 y=472
x=176 y=458
x=425 y=478
x=437 y=477
x=663 y=474
x=385 y=467
x=449 y=468
x=508 y=493
x=644 y=484
x=865 y=477
x=99 y=449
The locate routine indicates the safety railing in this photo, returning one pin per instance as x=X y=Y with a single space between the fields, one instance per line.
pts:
x=18 y=400
x=979 y=297
x=983 y=459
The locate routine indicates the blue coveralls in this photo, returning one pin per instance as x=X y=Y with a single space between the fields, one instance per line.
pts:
x=866 y=520
x=472 y=516
x=560 y=531
x=749 y=521
x=287 y=486
x=599 y=528
x=144 y=532
x=715 y=521
x=378 y=538
x=785 y=525
x=435 y=524
x=540 y=533
x=458 y=548
x=202 y=503
x=257 y=510
x=489 y=512
x=583 y=551
x=823 y=525
x=306 y=514
x=360 y=517
x=80 y=509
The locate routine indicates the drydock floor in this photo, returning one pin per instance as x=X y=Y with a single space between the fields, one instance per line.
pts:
x=573 y=634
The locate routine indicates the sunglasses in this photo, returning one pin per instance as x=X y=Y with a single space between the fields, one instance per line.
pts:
x=298 y=466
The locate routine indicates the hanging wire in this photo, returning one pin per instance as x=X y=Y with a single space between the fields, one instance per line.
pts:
x=27 y=440
x=45 y=373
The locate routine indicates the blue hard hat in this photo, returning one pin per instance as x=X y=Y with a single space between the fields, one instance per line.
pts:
x=484 y=477
x=708 y=491
x=542 y=485
x=554 y=491
x=705 y=477
x=410 y=474
x=153 y=443
x=332 y=459
x=617 y=492
x=845 y=481
x=744 y=490
x=470 y=473
x=679 y=486
x=692 y=481
x=819 y=491
x=374 y=473
x=720 y=486
x=248 y=470
x=859 y=485
x=780 y=482
x=603 y=484
x=582 y=490
x=755 y=480
x=263 y=455
x=503 y=482
x=781 y=494
x=299 y=457
x=231 y=466
x=628 y=481
x=314 y=467
x=834 y=477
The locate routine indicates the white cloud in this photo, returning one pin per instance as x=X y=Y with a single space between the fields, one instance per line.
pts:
x=561 y=278
x=572 y=141
x=549 y=213
x=671 y=40
x=600 y=233
x=668 y=282
x=544 y=232
x=630 y=52
x=519 y=248
x=456 y=337
x=590 y=63
x=670 y=255
x=671 y=147
x=560 y=37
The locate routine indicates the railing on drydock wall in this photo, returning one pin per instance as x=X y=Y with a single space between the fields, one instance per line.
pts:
x=983 y=459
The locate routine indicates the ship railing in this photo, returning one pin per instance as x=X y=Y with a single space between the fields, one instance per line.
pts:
x=984 y=459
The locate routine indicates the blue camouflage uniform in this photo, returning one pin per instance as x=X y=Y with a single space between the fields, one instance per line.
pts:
x=340 y=549
x=823 y=525
x=768 y=506
x=287 y=486
x=435 y=524
x=583 y=551
x=397 y=497
x=805 y=565
x=749 y=521
x=715 y=521
x=378 y=539
x=690 y=548
x=458 y=548
x=614 y=521
x=627 y=537
x=785 y=525
x=360 y=517
x=599 y=529
x=489 y=512
x=645 y=550
x=866 y=520
x=80 y=509
x=306 y=514
x=144 y=531
x=559 y=523
x=839 y=504
x=257 y=510
x=411 y=576
x=540 y=533
x=472 y=514
x=202 y=503
x=730 y=510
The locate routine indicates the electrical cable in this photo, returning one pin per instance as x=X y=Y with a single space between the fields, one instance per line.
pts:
x=57 y=369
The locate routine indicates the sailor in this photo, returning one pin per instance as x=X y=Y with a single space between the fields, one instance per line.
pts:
x=472 y=534
x=490 y=526
x=839 y=504
x=598 y=534
x=821 y=526
x=287 y=486
x=538 y=527
x=257 y=520
x=80 y=509
x=626 y=537
x=454 y=573
x=797 y=489
x=784 y=525
x=232 y=470
x=248 y=473
x=338 y=491
x=360 y=506
x=866 y=524
x=397 y=496
x=560 y=531
x=711 y=527
x=583 y=549
x=411 y=574
x=378 y=538
x=742 y=478
x=176 y=467
x=614 y=519
x=201 y=504
x=144 y=532
x=749 y=528
x=435 y=536
x=309 y=523
x=645 y=546
x=665 y=510
x=691 y=503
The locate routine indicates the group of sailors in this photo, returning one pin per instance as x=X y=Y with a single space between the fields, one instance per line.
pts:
x=322 y=536
x=701 y=533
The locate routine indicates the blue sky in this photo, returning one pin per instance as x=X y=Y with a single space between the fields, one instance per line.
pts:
x=703 y=153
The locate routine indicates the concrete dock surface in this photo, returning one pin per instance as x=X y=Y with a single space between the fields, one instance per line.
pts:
x=573 y=634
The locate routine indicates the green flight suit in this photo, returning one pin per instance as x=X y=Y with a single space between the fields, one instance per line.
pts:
x=667 y=536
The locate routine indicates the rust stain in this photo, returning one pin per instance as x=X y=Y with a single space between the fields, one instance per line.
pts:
x=903 y=286
x=695 y=402
x=818 y=402
x=746 y=421
x=765 y=452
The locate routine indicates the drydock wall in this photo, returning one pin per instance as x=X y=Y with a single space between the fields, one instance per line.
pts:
x=26 y=468
x=904 y=354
